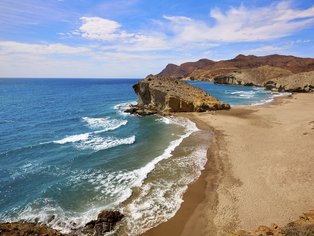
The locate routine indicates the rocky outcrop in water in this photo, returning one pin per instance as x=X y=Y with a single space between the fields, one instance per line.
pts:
x=163 y=95
x=290 y=72
x=304 y=226
x=106 y=221
x=27 y=229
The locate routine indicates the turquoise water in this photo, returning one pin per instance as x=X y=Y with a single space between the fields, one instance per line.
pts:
x=68 y=150
x=236 y=95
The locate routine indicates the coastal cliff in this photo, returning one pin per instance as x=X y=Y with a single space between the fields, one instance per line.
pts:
x=293 y=74
x=164 y=95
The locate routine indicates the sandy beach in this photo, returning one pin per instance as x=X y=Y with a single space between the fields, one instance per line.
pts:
x=260 y=169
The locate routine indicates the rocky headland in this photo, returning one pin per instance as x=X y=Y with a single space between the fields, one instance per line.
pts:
x=278 y=72
x=166 y=95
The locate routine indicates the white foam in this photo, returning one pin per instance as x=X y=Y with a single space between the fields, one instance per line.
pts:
x=73 y=138
x=281 y=94
x=244 y=94
x=117 y=185
x=105 y=124
x=64 y=221
x=160 y=199
x=265 y=101
x=124 y=106
x=100 y=143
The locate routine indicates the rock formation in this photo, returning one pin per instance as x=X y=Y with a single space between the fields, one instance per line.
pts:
x=27 y=229
x=250 y=70
x=163 y=95
x=303 y=226
x=106 y=221
x=301 y=82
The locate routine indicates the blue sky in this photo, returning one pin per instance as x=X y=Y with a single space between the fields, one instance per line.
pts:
x=133 y=38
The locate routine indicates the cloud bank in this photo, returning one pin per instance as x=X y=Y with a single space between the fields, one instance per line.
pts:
x=108 y=43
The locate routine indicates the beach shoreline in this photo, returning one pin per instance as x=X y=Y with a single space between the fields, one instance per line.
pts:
x=236 y=191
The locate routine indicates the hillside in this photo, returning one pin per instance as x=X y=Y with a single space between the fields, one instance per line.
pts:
x=246 y=70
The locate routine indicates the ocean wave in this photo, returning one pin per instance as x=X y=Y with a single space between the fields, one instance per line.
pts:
x=117 y=185
x=188 y=125
x=73 y=138
x=124 y=106
x=281 y=94
x=160 y=199
x=244 y=94
x=121 y=107
x=53 y=215
x=273 y=96
x=105 y=124
x=100 y=143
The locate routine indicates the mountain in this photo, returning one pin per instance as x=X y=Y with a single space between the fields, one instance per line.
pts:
x=246 y=70
x=185 y=69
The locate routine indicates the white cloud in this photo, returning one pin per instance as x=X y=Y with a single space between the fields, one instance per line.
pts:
x=238 y=24
x=109 y=31
x=101 y=29
x=178 y=19
x=267 y=49
x=110 y=47
x=59 y=60
x=12 y=47
x=243 y=24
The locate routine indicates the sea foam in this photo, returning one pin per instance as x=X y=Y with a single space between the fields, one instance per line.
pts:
x=105 y=124
x=73 y=138
x=118 y=185
x=100 y=143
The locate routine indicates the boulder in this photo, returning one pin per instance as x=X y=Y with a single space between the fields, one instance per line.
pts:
x=106 y=221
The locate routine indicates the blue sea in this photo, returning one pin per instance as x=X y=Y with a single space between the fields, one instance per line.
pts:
x=68 y=151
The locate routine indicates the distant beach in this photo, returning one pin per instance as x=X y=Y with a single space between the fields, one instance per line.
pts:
x=259 y=169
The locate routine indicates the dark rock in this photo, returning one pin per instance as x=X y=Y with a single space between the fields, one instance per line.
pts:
x=51 y=218
x=27 y=229
x=105 y=222
x=269 y=85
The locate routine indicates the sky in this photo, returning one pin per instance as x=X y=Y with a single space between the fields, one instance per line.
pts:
x=134 y=38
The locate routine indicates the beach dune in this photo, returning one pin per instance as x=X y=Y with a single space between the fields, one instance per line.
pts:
x=260 y=169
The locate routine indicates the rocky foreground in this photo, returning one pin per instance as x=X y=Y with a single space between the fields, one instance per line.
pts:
x=27 y=229
x=303 y=226
x=105 y=222
x=165 y=95
x=275 y=72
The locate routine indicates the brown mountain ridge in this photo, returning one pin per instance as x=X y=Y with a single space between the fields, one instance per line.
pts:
x=250 y=70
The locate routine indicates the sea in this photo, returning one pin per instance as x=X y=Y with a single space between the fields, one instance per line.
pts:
x=68 y=151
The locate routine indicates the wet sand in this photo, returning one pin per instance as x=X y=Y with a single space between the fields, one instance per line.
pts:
x=260 y=169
